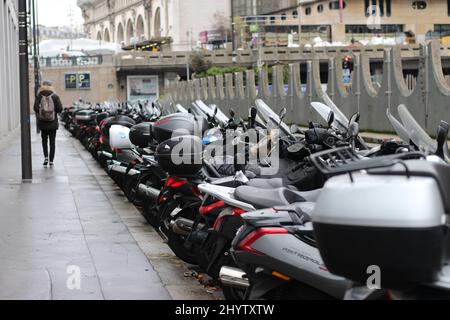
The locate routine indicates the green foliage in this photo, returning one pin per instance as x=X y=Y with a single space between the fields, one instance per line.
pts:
x=199 y=63
x=270 y=74
x=215 y=71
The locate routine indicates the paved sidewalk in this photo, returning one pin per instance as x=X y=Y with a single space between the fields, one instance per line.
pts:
x=74 y=215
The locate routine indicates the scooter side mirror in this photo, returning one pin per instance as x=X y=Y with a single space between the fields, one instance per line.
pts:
x=442 y=136
x=283 y=114
x=253 y=113
x=353 y=130
x=354 y=119
x=232 y=113
x=330 y=119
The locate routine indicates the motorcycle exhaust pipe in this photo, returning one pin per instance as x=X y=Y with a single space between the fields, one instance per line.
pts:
x=182 y=226
x=104 y=155
x=133 y=172
x=117 y=168
x=233 y=277
x=148 y=192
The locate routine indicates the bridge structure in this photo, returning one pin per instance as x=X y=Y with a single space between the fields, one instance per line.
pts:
x=428 y=101
x=269 y=56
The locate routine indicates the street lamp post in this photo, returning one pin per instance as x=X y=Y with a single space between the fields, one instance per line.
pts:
x=27 y=171
x=233 y=36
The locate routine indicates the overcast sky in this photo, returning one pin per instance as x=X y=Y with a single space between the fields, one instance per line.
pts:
x=56 y=12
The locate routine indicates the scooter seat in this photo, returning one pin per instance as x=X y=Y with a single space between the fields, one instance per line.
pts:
x=275 y=183
x=267 y=198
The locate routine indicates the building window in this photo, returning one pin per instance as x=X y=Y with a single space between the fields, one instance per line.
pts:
x=372 y=8
x=364 y=29
x=309 y=32
x=441 y=30
x=320 y=8
x=334 y=5
x=381 y=6
x=283 y=17
x=448 y=8
x=367 y=8
x=272 y=20
x=308 y=11
x=419 y=5
x=295 y=13
x=388 y=7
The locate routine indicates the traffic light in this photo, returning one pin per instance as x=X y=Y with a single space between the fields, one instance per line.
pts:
x=347 y=63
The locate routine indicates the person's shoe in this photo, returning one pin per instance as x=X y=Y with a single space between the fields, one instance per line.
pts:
x=45 y=162
x=52 y=163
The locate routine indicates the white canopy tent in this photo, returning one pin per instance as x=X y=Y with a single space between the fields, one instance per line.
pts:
x=77 y=47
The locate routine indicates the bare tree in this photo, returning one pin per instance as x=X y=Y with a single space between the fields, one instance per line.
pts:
x=221 y=23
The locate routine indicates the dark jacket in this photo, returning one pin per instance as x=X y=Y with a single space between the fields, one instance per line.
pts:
x=47 y=91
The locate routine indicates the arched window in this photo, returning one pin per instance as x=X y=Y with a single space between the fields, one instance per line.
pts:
x=140 y=32
x=308 y=11
x=320 y=8
x=283 y=17
x=419 y=5
x=130 y=33
x=106 y=36
x=120 y=34
x=295 y=14
x=157 y=23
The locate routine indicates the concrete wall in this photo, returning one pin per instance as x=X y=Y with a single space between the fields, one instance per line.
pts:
x=429 y=101
x=9 y=64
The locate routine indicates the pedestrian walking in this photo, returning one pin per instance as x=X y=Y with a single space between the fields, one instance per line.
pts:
x=47 y=107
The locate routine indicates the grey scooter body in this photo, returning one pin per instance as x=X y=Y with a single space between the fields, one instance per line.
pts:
x=291 y=253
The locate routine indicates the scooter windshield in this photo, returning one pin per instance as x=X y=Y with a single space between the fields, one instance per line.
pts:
x=181 y=109
x=339 y=116
x=220 y=116
x=269 y=117
x=324 y=112
x=420 y=138
x=152 y=111
x=197 y=111
x=398 y=127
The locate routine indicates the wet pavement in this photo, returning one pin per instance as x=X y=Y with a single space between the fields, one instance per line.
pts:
x=72 y=219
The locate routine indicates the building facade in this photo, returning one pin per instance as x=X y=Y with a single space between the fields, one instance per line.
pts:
x=175 y=24
x=9 y=66
x=261 y=7
x=362 y=19
x=345 y=21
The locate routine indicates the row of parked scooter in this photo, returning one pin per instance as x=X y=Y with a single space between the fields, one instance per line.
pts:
x=279 y=212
